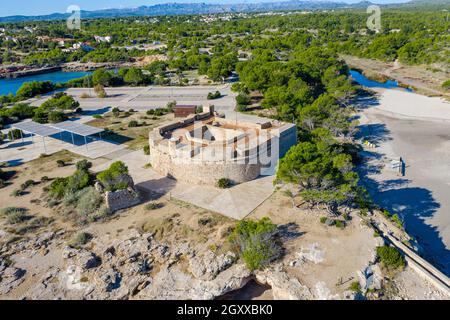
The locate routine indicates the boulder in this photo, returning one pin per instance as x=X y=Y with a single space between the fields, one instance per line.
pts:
x=87 y=260
x=110 y=279
x=10 y=278
x=43 y=239
x=208 y=265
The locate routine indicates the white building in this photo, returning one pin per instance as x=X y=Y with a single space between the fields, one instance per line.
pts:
x=100 y=39
x=83 y=46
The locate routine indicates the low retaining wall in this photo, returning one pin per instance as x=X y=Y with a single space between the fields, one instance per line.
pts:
x=121 y=199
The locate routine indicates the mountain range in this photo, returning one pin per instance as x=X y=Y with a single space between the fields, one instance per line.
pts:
x=204 y=8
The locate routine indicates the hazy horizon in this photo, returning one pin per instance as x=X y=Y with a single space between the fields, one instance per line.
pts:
x=39 y=7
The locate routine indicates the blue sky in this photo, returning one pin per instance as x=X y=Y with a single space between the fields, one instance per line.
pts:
x=38 y=7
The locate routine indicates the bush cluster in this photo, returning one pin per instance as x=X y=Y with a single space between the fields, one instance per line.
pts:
x=108 y=178
x=390 y=257
x=255 y=242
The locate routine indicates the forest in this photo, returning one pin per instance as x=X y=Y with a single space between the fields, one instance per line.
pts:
x=291 y=61
x=412 y=36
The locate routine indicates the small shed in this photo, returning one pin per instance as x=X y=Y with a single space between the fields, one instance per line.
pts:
x=182 y=111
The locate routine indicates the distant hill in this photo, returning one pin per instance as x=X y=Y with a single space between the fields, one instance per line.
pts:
x=204 y=8
x=190 y=8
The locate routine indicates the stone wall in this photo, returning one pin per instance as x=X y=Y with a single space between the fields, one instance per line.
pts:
x=202 y=172
x=288 y=138
x=121 y=199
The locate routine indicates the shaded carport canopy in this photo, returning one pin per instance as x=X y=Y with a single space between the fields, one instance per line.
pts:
x=76 y=128
x=36 y=128
x=48 y=130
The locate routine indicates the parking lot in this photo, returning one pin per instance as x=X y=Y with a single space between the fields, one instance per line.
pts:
x=151 y=97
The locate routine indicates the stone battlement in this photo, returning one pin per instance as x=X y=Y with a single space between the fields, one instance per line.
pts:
x=204 y=148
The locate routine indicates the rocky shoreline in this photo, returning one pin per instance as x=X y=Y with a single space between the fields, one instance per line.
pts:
x=12 y=72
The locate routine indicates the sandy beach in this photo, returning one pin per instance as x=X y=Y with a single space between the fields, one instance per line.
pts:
x=416 y=128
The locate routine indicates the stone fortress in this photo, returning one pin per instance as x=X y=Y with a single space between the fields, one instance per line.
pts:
x=203 y=148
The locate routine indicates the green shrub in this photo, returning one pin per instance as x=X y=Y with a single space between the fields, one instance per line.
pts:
x=8 y=210
x=133 y=124
x=56 y=116
x=170 y=106
x=79 y=240
x=255 y=243
x=364 y=212
x=17 y=192
x=243 y=99
x=146 y=149
x=116 y=112
x=446 y=85
x=339 y=224
x=323 y=219
x=214 y=95
x=52 y=203
x=160 y=112
x=152 y=206
x=97 y=116
x=89 y=201
x=355 y=286
x=58 y=187
x=386 y=213
x=101 y=214
x=83 y=165
x=27 y=184
x=14 y=215
x=241 y=108
x=79 y=180
x=396 y=219
x=390 y=257
x=108 y=176
x=60 y=163
x=224 y=183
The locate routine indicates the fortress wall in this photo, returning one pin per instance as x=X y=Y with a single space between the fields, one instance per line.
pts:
x=198 y=170
x=288 y=138
x=202 y=172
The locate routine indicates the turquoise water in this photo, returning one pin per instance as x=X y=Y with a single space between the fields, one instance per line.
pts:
x=8 y=86
x=362 y=80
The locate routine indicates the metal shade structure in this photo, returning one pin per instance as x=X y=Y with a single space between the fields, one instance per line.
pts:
x=43 y=131
x=37 y=129
x=78 y=129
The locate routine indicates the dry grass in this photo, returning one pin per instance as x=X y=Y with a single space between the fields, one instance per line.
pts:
x=136 y=137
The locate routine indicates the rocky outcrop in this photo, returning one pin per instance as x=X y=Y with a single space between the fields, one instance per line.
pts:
x=370 y=278
x=209 y=265
x=283 y=286
x=174 y=284
x=122 y=268
x=10 y=278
